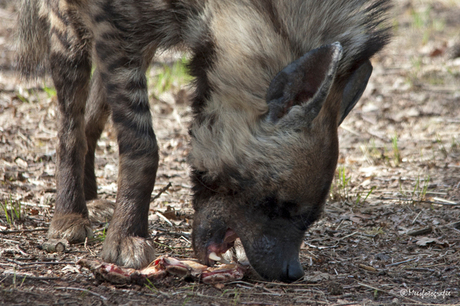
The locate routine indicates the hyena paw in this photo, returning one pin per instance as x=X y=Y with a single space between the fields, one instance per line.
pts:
x=128 y=251
x=72 y=227
x=100 y=211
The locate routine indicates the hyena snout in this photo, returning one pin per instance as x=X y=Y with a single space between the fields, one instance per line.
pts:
x=271 y=239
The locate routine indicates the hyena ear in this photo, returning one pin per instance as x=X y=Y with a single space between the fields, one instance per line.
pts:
x=354 y=88
x=310 y=76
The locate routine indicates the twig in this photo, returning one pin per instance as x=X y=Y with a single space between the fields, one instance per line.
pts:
x=167 y=232
x=40 y=229
x=453 y=224
x=306 y=301
x=420 y=269
x=252 y=286
x=348 y=129
x=352 y=234
x=206 y=296
x=84 y=290
x=413 y=221
x=408 y=199
x=422 y=231
x=14 y=250
x=26 y=275
x=438 y=203
x=448 y=202
x=321 y=247
x=160 y=192
x=401 y=262
x=159 y=214
x=258 y=303
x=387 y=292
x=40 y=262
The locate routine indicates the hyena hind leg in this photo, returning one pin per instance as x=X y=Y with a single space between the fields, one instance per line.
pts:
x=96 y=115
x=70 y=70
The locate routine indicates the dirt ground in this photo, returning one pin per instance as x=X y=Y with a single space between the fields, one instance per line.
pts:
x=390 y=233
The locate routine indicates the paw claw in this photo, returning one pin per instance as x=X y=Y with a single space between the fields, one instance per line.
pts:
x=73 y=227
x=100 y=211
x=132 y=252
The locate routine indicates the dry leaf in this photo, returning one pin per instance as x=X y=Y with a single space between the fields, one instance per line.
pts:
x=425 y=241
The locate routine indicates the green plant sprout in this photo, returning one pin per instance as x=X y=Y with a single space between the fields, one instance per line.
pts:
x=177 y=73
x=396 y=153
x=358 y=196
x=50 y=91
x=12 y=210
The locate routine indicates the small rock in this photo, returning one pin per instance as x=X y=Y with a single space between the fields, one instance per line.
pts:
x=335 y=288
x=21 y=163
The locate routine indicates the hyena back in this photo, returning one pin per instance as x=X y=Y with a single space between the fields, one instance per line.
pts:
x=273 y=80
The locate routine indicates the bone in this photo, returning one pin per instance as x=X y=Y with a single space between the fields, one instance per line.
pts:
x=214 y=256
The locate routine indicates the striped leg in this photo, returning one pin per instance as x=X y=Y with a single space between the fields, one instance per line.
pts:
x=71 y=69
x=97 y=112
x=122 y=70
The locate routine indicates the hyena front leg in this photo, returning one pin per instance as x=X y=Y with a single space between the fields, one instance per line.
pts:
x=122 y=67
x=71 y=69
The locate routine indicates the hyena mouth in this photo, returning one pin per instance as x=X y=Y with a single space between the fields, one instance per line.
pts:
x=216 y=250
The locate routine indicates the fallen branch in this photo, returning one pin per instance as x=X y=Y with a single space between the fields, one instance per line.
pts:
x=401 y=262
x=160 y=192
x=40 y=229
x=40 y=262
x=422 y=231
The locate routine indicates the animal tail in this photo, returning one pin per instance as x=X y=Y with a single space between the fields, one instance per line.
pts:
x=32 y=38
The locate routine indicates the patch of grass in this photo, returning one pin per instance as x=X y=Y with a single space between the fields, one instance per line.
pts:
x=413 y=77
x=373 y=154
x=421 y=190
x=396 y=153
x=25 y=95
x=421 y=20
x=340 y=186
x=101 y=237
x=454 y=147
x=12 y=210
x=359 y=200
x=149 y=285
x=418 y=192
x=22 y=98
x=236 y=297
x=171 y=76
x=375 y=231
x=341 y=189
x=50 y=91
x=442 y=148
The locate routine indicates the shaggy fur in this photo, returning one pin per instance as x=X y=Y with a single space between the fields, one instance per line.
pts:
x=273 y=80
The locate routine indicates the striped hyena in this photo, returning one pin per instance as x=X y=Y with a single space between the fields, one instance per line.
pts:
x=273 y=80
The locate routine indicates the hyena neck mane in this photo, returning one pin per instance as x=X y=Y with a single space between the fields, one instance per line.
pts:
x=238 y=51
x=228 y=135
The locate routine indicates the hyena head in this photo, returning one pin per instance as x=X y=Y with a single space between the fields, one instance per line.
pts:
x=278 y=181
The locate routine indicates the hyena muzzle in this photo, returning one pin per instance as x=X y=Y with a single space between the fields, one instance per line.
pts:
x=273 y=81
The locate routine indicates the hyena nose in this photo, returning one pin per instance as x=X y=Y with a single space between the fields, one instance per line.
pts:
x=293 y=271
